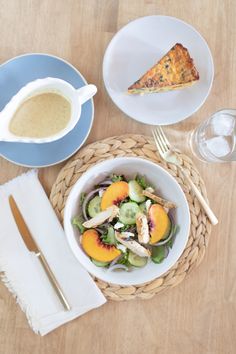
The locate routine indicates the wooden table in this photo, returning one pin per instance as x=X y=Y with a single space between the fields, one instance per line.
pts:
x=199 y=315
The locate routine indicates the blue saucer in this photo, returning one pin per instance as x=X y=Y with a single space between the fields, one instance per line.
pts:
x=17 y=72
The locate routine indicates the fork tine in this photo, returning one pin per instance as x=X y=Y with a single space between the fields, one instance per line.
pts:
x=159 y=133
x=158 y=143
x=164 y=137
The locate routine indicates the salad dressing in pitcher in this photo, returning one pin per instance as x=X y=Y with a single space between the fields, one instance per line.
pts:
x=40 y=116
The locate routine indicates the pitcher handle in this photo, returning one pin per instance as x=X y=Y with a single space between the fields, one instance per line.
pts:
x=86 y=92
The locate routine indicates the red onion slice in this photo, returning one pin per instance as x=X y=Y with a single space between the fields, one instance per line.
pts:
x=115 y=260
x=105 y=183
x=118 y=266
x=99 y=230
x=161 y=243
x=166 y=251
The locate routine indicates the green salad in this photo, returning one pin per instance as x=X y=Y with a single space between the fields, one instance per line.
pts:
x=125 y=223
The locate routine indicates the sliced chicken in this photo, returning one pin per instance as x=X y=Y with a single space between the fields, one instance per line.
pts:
x=108 y=214
x=148 y=203
x=134 y=246
x=142 y=228
x=114 y=212
x=159 y=200
x=150 y=190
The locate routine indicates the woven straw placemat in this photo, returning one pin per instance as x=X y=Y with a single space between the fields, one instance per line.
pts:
x=142 y=146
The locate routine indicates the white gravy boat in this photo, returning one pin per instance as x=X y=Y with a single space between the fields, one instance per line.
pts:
x=75 y=96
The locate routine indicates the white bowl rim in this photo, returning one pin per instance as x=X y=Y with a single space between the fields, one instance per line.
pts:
x=73 y=243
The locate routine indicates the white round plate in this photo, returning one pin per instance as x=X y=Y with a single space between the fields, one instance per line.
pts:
x=135 y=49
x=164 y=183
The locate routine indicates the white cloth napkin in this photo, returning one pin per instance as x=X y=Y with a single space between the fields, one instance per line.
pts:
x=23 y=273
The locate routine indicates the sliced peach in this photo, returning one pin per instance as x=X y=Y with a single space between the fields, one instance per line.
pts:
x=114 y=194
x=160 y=224
x=95 y=248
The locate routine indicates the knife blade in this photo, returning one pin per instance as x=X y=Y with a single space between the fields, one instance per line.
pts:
x=22 y=226
x=33 y=247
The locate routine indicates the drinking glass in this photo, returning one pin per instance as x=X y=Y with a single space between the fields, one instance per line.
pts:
x=214 y=140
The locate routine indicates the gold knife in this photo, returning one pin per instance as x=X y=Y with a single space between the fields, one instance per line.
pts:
x=33 y=247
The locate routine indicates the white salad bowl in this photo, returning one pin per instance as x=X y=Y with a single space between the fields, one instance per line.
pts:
x=165 y=185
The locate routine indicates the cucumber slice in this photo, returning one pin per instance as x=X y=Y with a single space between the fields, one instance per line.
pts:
x=109 y=238
x=136 y=192
x=94 y=206
x=136 y=260
x=128 y=212
x=99 y=264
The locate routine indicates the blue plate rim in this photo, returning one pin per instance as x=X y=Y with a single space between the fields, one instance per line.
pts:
x=92 y=115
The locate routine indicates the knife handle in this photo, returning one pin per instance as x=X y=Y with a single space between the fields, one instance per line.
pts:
x=54 y=282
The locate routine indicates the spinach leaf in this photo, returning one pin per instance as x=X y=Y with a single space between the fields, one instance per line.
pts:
x=124 y=259
x=141 y=181
x=158 y=254
x=116 y=178
x=82 y=197
x=125 y=228
x=78 y=222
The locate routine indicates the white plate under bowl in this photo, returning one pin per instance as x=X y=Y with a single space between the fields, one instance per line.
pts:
x=135 y=49
x=165 y=184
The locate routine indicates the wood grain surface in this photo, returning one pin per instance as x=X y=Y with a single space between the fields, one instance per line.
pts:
x=199 y=315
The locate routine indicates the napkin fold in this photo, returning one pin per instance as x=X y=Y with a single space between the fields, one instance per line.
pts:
x=23 y=273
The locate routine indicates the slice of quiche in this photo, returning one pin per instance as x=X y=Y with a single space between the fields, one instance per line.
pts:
x=174 y=71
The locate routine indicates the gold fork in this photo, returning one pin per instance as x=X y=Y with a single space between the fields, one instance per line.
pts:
x=168 y=154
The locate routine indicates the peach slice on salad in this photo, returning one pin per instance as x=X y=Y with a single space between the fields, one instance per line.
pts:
x=96 y=249
x=160 y=224
x=114 y=194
